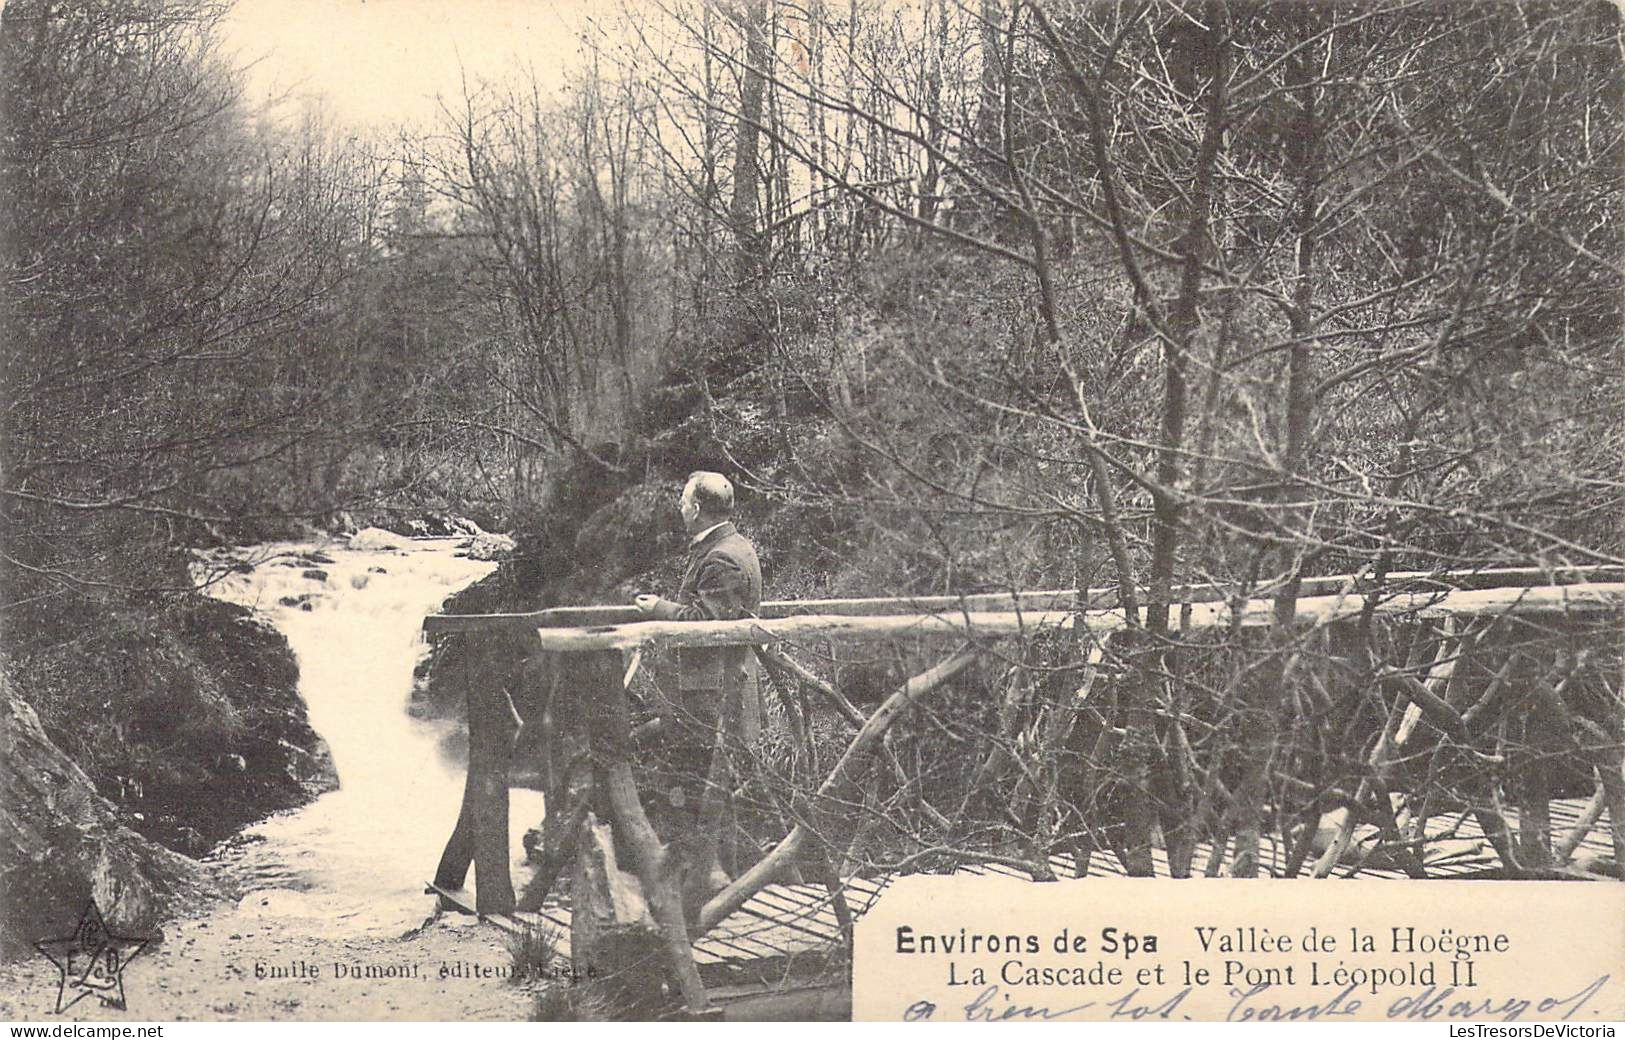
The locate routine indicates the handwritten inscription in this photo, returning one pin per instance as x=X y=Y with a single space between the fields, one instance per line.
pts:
x=1267 y=1003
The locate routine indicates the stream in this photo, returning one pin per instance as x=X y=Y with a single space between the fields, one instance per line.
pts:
x=354 y=861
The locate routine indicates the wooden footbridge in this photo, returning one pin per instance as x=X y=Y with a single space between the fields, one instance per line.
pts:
x=1449 y=694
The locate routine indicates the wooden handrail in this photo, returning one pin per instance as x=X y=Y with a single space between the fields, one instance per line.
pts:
x=1256 y=612
x=1036 y=601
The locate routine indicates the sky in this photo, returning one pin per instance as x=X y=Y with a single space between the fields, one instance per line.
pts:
x=380 y=62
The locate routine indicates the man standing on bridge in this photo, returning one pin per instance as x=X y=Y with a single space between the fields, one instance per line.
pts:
x=717 y=692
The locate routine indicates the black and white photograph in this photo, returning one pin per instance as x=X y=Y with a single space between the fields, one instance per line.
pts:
x=735 y=510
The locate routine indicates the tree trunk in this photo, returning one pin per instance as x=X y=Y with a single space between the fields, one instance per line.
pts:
x=1261 y=734
x=749 y=242
x=611 y=733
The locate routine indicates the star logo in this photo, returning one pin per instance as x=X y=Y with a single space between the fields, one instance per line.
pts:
x=91 y=960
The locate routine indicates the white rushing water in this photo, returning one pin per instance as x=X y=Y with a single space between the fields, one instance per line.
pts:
x=355 y=860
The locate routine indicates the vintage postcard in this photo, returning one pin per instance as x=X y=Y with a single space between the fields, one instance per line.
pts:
x=813 y=510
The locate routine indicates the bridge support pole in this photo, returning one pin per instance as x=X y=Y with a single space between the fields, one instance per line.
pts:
x=481 y=834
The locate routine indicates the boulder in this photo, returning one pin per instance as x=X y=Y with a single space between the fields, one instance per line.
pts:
x=376 y=539
x=633 y=533
x=613 y=937
x=62 y=844
x=487 y=546
x=312 y=770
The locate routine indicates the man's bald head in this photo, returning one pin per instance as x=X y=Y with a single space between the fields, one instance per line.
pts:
x=707 y=499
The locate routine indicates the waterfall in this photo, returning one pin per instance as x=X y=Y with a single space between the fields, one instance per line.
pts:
x=355 y=860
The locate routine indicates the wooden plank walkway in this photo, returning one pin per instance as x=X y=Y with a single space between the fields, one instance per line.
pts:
x=779 y=921
x=782 y=921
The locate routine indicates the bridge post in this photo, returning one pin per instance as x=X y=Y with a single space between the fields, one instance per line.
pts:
x=481 y=833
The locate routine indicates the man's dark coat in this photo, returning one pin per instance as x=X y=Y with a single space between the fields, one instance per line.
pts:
x=723 y=582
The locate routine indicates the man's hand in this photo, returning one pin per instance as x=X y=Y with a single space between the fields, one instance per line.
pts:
x=646 y=603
